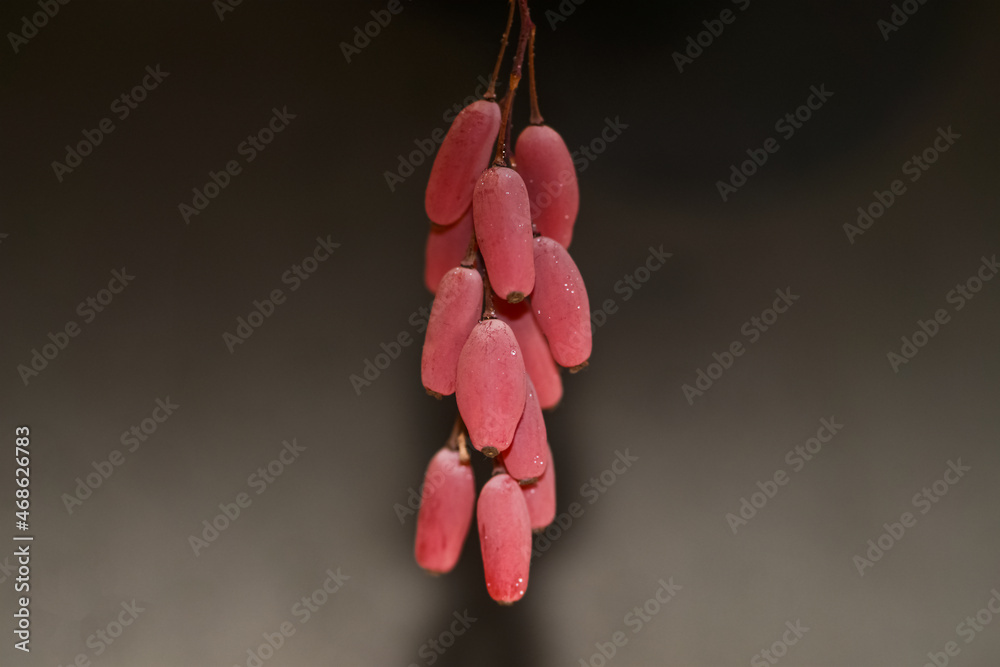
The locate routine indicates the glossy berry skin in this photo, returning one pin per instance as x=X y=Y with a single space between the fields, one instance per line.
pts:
x=456 y=310
x=446 y=248
x=491 y=386
x=538 y=362
x=464 y=153
x=505 y=538
x=541 y=497
x=527 y=457
x=560 y=304
x=547 y=168
x=449 y=495
x=502 y=219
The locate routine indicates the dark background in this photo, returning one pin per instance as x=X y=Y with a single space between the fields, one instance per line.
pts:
x=654 y=185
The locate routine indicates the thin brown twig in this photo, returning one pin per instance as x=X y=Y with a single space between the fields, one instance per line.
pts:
x=470 y=255
x=489 y=312
x=536 y=115
x=526 y=28
x=491 y=91
x=459 y=439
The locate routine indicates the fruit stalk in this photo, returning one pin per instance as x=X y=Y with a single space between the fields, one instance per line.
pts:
x=491 y=91
x=536 y=115
x=458 y=439
x=526 y=29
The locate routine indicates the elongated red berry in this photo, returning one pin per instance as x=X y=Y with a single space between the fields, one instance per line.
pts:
x=505 y=538
x=448 y=497
x=457 y=308
x=547 y=168
x=542 y=369
x=526 y=458
x=541 y=497
x=491 y=386
x=464 y=153
x=502 y=219
x=446 y=248
x=560 y=304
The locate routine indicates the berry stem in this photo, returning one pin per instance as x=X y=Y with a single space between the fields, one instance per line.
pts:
x=491 y=91
x=489 y=312
x=458 y=438
x=536 y=115
x=526 y=28
x=500 y=157
x=511 y=158
x=463 y=449
x=470 y=255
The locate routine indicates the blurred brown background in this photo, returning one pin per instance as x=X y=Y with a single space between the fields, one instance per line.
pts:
x=332 y=507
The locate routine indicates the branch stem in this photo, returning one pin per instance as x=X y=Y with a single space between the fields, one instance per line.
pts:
x=536 y=115
x=491 y=91
x=526 y=27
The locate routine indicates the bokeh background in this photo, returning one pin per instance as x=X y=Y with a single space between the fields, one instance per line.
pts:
x=337 y=506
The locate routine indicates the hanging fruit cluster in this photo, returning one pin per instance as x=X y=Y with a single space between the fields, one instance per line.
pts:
x=510 y=308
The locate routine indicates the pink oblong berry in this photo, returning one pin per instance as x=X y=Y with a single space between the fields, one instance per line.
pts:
x=505 y=538
x=560 y=304
x=447 y=501
x=445 y=249
x=526 y=458
x=502 y=218
x=538 y=362
x=547 y=168
x=457 y=308
x=541 y=497
x=491 y=386
x=464 y=153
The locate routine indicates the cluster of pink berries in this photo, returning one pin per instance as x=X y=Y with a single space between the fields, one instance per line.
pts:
x=510 y=307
